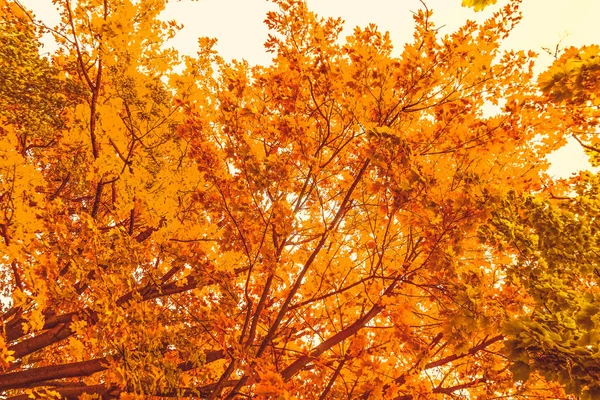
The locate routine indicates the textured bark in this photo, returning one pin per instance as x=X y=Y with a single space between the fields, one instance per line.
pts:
x=29 y=377
x=29 y=346
x=40 y=376
x=73 y=393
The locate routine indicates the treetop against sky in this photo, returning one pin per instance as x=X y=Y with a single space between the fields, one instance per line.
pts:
x=346 y=220
x=241 y=34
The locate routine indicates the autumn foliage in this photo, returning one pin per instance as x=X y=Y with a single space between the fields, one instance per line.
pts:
x=350 y=221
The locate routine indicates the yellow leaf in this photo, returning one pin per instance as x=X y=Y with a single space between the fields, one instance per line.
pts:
x=478 y=5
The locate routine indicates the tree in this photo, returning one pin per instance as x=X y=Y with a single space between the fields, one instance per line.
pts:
x=554 y=236
x=556 y=242
x=315 y=228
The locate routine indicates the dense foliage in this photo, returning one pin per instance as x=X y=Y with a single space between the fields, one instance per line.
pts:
x=348 y=221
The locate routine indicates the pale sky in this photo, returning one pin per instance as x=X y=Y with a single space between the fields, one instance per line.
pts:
x=239 y=27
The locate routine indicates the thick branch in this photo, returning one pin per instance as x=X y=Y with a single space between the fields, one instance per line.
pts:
x=210 y=356
x=54 y=335
x=61 y=329
x=74 y=392
x=40 y=376
x=471 y=351
x=27 y=377
x=113 y=392
x=14 y=329
x=452 y=389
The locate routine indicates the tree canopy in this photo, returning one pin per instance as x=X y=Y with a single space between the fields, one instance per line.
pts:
x=348 y=221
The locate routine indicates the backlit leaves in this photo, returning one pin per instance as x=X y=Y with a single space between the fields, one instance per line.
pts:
x=478 y=5
x=340 y=223
x=574 y=76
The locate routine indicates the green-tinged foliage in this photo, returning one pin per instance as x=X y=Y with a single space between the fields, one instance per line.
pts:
x=574 y=77
x=573 y=83
x=555 y=237
x=31 y=94
x=557 y=244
